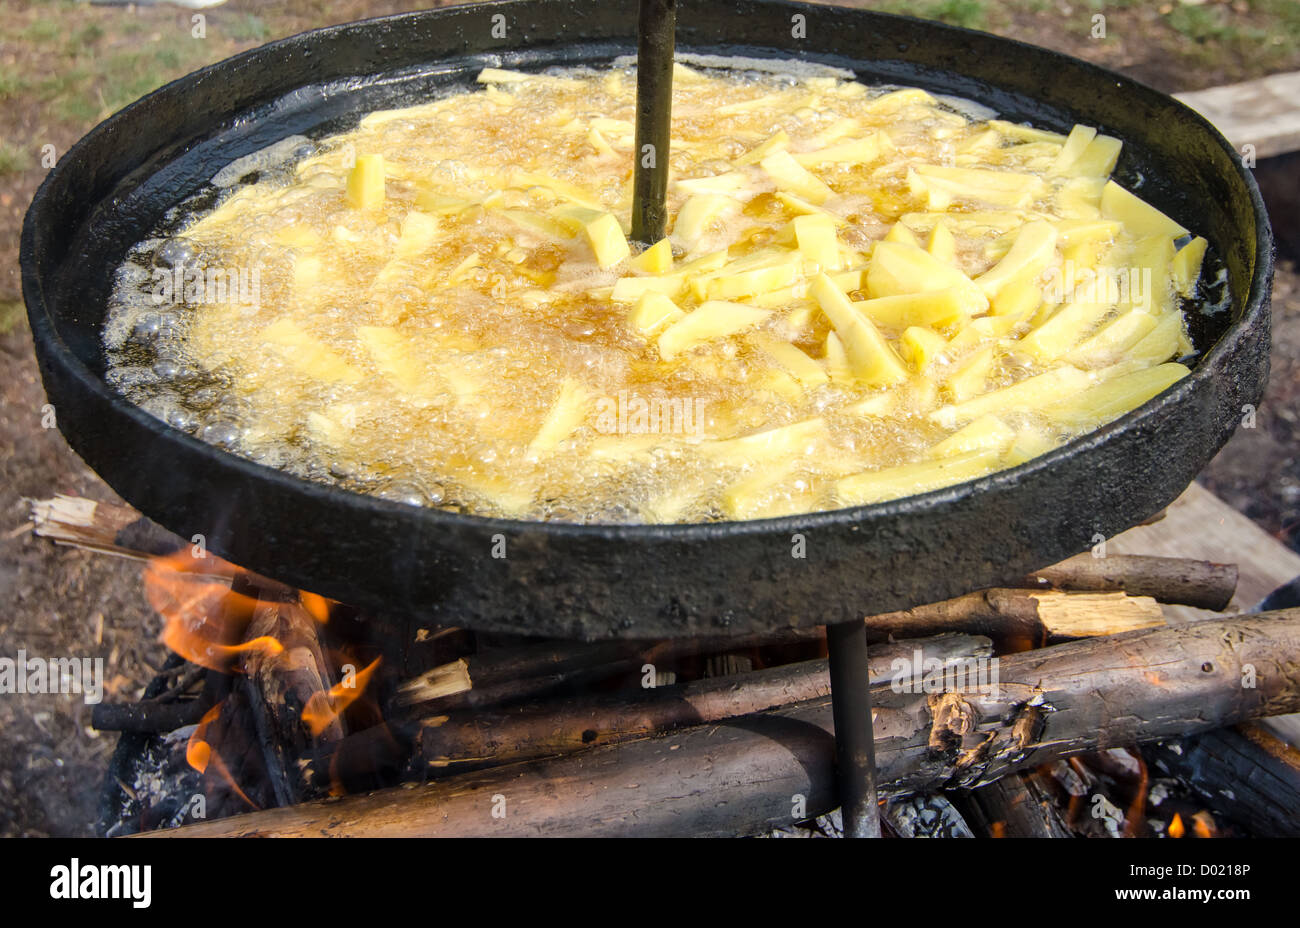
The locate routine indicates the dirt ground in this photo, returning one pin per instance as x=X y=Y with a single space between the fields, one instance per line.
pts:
x=65 y=65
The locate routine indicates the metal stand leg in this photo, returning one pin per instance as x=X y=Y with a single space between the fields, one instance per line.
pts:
x=854 y=748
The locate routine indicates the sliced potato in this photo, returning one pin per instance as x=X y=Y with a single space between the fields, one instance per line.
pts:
x=892 y=482
x=872 y=360
x=713 y=319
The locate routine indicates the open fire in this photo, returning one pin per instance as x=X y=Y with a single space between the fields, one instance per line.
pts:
x=277 y=697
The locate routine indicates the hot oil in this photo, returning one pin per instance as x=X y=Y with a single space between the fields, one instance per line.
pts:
x=425 y=371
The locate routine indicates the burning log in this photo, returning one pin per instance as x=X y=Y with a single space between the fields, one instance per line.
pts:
x=1174 y=580
x=929 y=816
x=149 y=715
x=1017 y=620
x=285 y=679
x=1246 y=772
x=476 y=736
x=1016 y=806
x=291 y=677
x=771 y=768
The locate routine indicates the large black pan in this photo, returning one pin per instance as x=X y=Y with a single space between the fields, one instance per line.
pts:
x=600 y=581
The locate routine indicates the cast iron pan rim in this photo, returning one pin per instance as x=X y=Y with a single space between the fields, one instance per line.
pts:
x=43 y=327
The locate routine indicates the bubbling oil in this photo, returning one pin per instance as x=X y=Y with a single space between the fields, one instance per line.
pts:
x=432 y=350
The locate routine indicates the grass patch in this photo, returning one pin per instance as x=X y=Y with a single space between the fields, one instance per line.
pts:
x=12 y=159
x=12 y=314
x=248 y=28
x=11 y=85
x=1270 y=35
x=970 y=14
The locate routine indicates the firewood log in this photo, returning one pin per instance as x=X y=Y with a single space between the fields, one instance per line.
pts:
x=1175 y=580
x=746 y=775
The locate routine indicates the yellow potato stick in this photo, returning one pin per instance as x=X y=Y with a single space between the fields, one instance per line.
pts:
x=943 y=185
x=308 y=354
x=776 y=142
x=654 y=311
x=837 y=361
x=1017 y=299
x=1139 y=217
x=1076 y=143
x=1099 y=158
x=792 y=360
x=656 y=259
x=1113 y=397
x=936 y=309
x=1028 y=444
x=942 y=244
x=571 y=407
x=1187 y=265
x=1068 y=326
x=780 y=443
x=899 y=232
x=697 y=215
x=1113 y=339
x=791 y=176
x=898 y=268
x=1034 y=247
x=872 y=360
x=816 y=239
x=970 y=377
x=921 y=347
x=892 y=482
x=1023 y=133
x=713 y=319
x=607 y=241
x=365 y=188
x=767 y=495
x=391 y=354
x=858 y=151
x=1163 y=342
x=985 y=433
x=1024 y=396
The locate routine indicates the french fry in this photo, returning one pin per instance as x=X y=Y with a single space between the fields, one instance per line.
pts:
x=791 y=176
x=872 y=360
x=713 y=319
x=892 y=482
x=1034 y=247
x=1113 y=397
x=983 y=434
x=307 y=354
x=365 y=188
x=1138 y=216
x=572 y=405
x=1026 y=395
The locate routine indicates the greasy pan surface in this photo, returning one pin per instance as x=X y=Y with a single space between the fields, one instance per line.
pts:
x=423 y=565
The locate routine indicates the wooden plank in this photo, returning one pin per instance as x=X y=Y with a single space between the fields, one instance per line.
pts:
x=1199 y=524
x=1264 y=113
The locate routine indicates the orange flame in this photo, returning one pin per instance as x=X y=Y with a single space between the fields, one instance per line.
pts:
x=1136 y=814
x=203 y=619
x=197 y=751
x=1176 y=828
x=323 y=708
x=200 y=755
x=1203 y=824
x=317 y=606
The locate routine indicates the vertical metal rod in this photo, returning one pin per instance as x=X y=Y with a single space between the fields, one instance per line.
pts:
x=855 y=751
x=656 y=34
